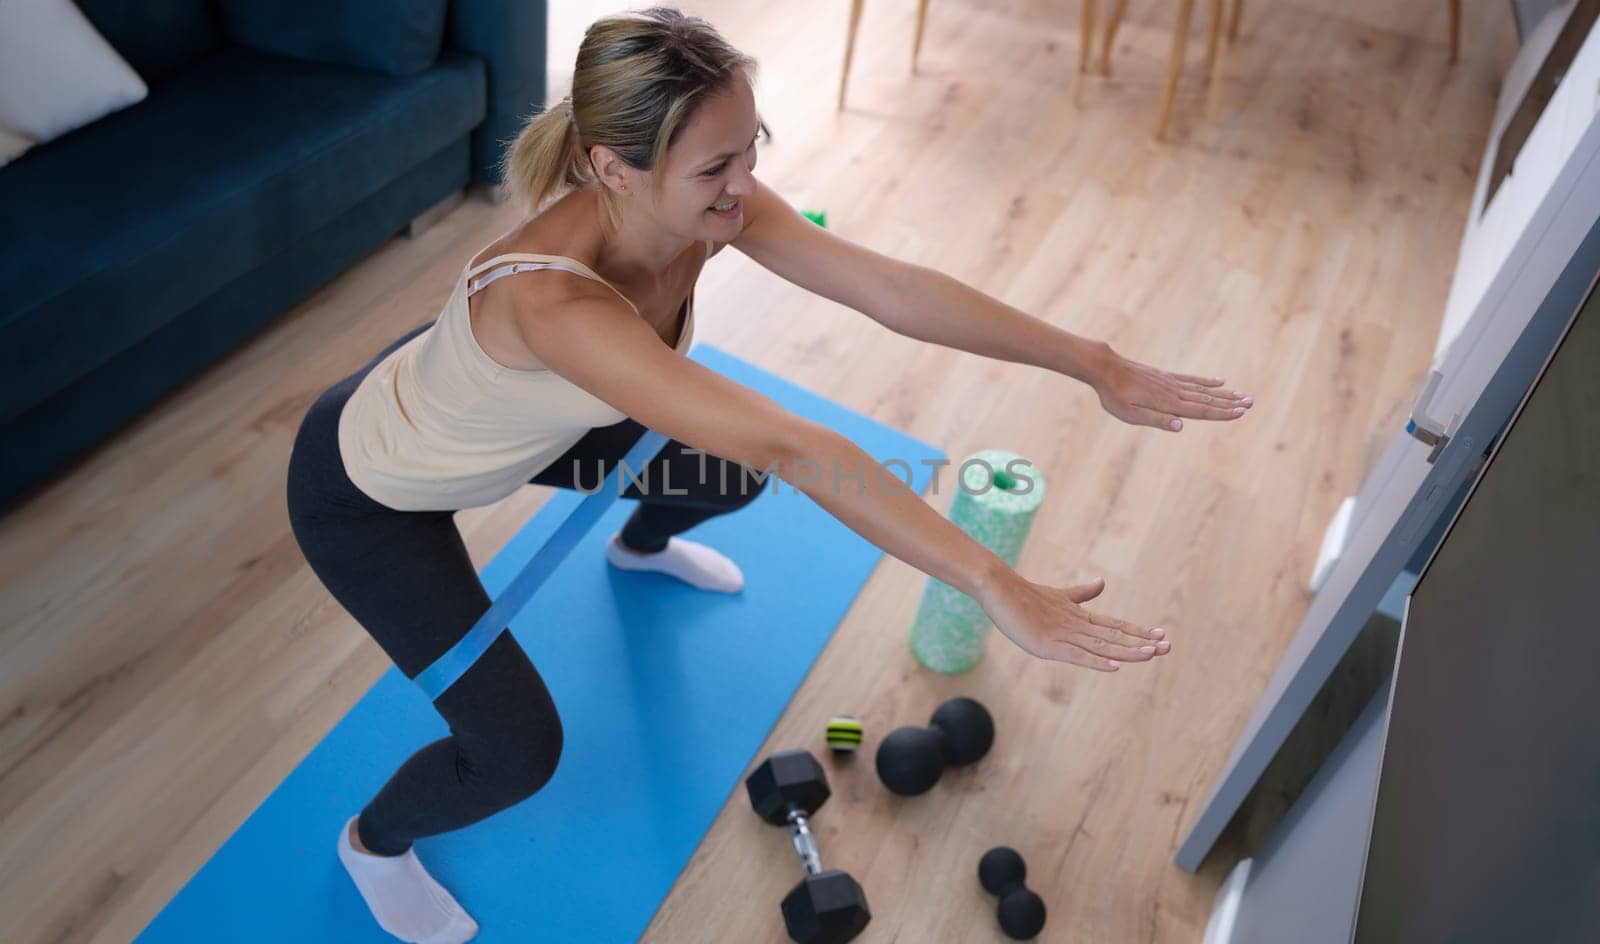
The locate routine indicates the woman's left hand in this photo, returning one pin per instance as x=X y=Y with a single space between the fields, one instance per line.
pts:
x=1146 y=396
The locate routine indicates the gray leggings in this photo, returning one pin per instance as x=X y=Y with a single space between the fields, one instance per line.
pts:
x=406 y=578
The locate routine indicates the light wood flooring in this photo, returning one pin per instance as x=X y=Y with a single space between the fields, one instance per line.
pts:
x=166 y=657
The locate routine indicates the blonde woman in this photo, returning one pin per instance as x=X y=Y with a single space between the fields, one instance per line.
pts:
x=563 y=341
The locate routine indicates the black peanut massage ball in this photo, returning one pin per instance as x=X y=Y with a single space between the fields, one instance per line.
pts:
x=911 y=760
x=1021 y=912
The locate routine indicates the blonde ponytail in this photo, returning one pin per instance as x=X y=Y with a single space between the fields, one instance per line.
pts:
x=545 y=161
x=639 y=77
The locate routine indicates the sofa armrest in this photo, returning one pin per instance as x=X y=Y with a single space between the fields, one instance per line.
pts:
x=509 y=36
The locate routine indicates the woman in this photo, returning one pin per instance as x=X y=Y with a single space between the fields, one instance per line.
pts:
x=563 y=341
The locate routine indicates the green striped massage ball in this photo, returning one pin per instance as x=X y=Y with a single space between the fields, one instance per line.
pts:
x=844 y=734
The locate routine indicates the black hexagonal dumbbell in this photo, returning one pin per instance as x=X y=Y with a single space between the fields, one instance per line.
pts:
x=911 y=759
x=827 y=906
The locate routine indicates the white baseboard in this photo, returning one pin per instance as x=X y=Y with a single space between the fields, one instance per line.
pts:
x=1225 y=909
x=1333 y=541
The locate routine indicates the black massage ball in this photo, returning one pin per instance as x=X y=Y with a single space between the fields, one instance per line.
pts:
x=1021 y=912
x=968 y=730
x=911 y=759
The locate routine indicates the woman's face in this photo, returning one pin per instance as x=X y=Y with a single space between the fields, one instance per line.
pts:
x=710 y=165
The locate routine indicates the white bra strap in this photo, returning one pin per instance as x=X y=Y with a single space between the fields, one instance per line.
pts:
x=476 y=284
x=566 y=262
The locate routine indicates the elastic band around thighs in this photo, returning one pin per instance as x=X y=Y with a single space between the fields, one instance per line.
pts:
x=448 y=668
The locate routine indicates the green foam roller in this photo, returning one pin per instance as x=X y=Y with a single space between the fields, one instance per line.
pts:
x=997 y=497
x=819 y=217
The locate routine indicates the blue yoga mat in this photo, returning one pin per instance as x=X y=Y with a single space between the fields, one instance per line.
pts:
x=666 y=693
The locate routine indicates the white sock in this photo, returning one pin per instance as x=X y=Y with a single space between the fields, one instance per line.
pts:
x=404 y=898
x=689 y=561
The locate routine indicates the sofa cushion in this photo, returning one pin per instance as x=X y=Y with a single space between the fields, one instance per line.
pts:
x=510 y=39
x=157 y=37
x=139 y=216
x=57 y=73
x=397 y=37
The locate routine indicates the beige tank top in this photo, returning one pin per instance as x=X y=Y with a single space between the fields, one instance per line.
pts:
x=439 y=425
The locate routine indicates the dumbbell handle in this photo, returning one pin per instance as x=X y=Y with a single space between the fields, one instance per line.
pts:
x=804 y=842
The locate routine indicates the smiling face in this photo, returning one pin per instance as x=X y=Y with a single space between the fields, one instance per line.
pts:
x=710 y=165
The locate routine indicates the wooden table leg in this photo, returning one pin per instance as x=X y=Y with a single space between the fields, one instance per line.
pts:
x=1213 y=34
x=1085 y=36
x=1214 y=80
x=916 y=42
x=1180 y=39
x=1110 y=39
x=1455 y=29
x=850 y=47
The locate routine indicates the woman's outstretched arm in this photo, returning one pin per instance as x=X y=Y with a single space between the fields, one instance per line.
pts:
x=600 y=346
x=927 y=305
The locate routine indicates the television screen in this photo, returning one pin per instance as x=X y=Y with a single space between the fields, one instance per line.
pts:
x=1486 y=821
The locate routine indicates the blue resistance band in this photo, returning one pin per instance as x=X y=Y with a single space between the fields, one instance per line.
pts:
x=448 y=668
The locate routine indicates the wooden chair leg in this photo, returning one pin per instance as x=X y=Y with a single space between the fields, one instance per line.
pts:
x=1085 y=36
x=1180 y=39
x=1213 y=34
x=1233 y=21
x=916 y=42
x=1455 y=29
x=1110 y=37
x=849 y=47
x=1214 y=80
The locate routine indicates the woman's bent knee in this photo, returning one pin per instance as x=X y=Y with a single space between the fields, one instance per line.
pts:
x=505 y=722
x=525 y=758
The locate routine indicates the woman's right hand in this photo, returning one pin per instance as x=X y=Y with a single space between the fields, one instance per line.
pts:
x=1049 y=622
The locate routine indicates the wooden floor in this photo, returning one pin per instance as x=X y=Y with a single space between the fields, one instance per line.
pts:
x=168 y=657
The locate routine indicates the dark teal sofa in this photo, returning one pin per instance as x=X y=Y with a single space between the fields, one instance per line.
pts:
x=280 y=142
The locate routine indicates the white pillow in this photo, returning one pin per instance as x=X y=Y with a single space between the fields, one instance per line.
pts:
x=57 y=72
x=12 y=145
